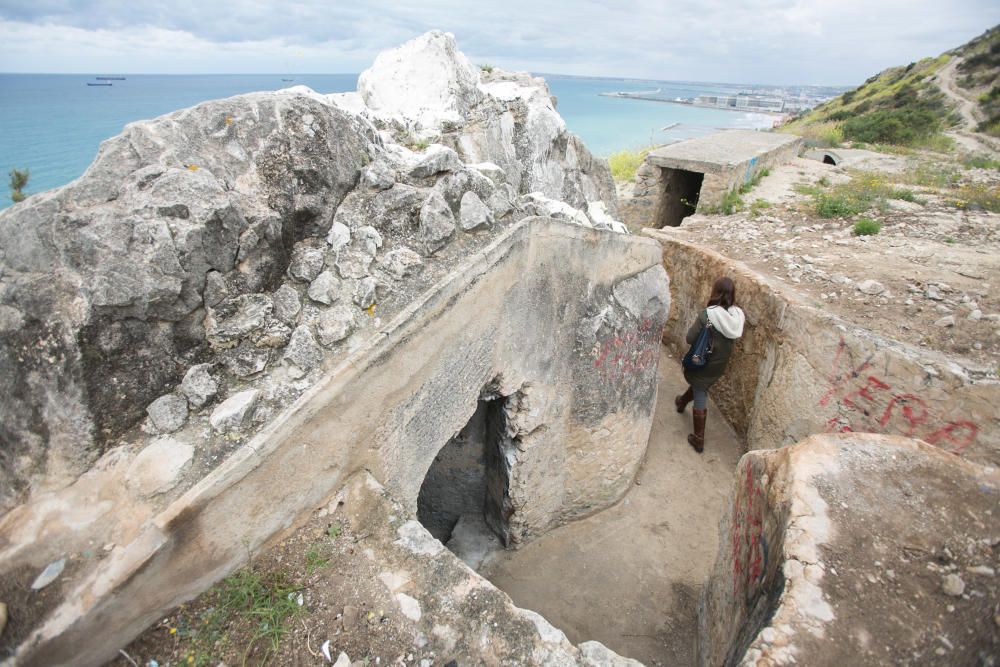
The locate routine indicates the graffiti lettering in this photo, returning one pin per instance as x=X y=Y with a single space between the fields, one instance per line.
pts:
x=746 y=530
x=628 y=353
x=860 y=399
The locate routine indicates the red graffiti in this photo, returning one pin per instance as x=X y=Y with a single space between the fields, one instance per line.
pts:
x=860 y=401
x=746 y=530
x=628 y=353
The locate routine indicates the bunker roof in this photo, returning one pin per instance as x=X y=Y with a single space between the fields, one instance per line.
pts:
x=716 y=152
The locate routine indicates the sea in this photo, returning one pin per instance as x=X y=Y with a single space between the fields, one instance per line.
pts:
x=53 y=124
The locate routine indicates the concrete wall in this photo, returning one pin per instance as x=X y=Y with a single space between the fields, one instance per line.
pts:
x=799 y=371
x=570 y=317
x=641 y=208
x=834 y=551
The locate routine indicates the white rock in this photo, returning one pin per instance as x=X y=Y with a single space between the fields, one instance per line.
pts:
x=536 y=203
x=426 y=81
x=342 y=660
x=234 y=412
x=437 y=159
x=401 y=262
x=599 y=215
x=976 y=314
x=368 y=239
x=157 y=468
x=302 y=349
x=335 y=325
x=168 y=413
x=287 y=304
x=365 y=292
x=306 y=262
x=325 y=288
x=491 y=171
x=871 y=287
x=474 y=213
x=437 y=223
x=49 y=574
x=953 y=585
x=198 y=385
x=339 y=236
x=409 y=606
x=946 y=321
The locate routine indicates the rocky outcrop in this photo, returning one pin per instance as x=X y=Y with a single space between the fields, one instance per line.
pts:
x=222 y=233
x=107 y=278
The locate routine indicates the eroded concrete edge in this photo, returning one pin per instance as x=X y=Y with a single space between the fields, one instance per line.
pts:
x=179 y=555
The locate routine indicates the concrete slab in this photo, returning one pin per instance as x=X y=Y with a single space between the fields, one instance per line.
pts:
x=716 y=152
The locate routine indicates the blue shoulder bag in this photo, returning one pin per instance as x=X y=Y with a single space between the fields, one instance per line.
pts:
x=701 y=350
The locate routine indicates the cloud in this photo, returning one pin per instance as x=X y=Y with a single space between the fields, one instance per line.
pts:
x=780 y=41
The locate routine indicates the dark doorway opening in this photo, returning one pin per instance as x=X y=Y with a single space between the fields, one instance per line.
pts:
x=828 y=159
x=678 y=197
x=464 y=500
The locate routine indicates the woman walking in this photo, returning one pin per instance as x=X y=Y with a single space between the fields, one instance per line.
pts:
x=726 y=320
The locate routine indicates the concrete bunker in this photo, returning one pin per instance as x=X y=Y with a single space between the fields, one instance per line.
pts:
x=695 y=175
x=824 y=156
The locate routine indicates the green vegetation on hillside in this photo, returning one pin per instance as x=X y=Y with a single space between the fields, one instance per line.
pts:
x=624 y=163
x=900 y=106
x=979 y=73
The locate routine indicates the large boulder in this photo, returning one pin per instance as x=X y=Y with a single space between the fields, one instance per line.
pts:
x=105 y=278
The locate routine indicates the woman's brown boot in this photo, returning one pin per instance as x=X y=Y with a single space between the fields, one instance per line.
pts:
x=697 y=439
x=682 y=401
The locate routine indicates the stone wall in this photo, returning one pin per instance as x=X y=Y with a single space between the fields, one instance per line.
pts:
x=799 y=371
x=569 y=317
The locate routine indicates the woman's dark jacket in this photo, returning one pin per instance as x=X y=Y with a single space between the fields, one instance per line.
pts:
x=704 y=377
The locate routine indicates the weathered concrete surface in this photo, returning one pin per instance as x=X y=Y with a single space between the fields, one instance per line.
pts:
x=459 y=615
x=629 y=577
x=855 y=549
x=575 y=327
x=799 y=370
x=727 y=159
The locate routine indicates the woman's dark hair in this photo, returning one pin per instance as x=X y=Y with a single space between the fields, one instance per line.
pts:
x=723 y=293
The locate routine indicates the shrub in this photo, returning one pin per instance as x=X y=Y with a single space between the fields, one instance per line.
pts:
x=486 y=67
x=838 y=206
x=731 y=203
x=18 y=181
x=981 y=162
x=891 y=126
x=625 y=163
x=866 y=227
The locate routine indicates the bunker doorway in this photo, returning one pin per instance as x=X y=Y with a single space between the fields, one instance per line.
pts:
x=828 y=159
x=678 y=197
x=464 y=499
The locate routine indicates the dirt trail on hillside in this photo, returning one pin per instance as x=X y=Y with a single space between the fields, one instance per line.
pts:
x=967 y=136
x=631 y=575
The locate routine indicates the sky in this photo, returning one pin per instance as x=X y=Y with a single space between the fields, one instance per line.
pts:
x=827 y=42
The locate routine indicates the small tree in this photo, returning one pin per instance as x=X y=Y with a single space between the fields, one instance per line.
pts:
x=18 y=179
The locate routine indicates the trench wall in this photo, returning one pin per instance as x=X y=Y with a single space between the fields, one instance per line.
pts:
x=799 y=371
x=570 y=317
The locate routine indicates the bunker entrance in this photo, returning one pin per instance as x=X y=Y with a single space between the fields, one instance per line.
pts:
x=679 y=196
x=464 y=500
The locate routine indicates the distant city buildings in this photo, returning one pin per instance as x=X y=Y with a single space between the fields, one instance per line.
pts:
x=742 y=102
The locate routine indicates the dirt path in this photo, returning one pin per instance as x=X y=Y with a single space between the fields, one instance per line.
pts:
x=631 y=575
x=967 y=136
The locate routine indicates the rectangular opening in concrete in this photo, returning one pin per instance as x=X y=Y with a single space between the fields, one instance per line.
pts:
x=464 y=500
x=678 y=196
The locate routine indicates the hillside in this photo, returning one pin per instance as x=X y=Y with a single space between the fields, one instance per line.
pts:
x=978 y=77
x=914 y=105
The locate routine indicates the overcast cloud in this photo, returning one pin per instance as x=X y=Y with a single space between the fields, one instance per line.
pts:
x=758 y=41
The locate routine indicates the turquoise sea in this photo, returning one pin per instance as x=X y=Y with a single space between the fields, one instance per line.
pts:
x=53 y=123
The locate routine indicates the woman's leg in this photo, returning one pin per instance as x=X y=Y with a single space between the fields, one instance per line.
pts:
x=681 y=401
x=700 y=413
x=700 y=399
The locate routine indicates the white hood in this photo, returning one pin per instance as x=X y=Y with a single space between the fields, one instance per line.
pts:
x=728 y=322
